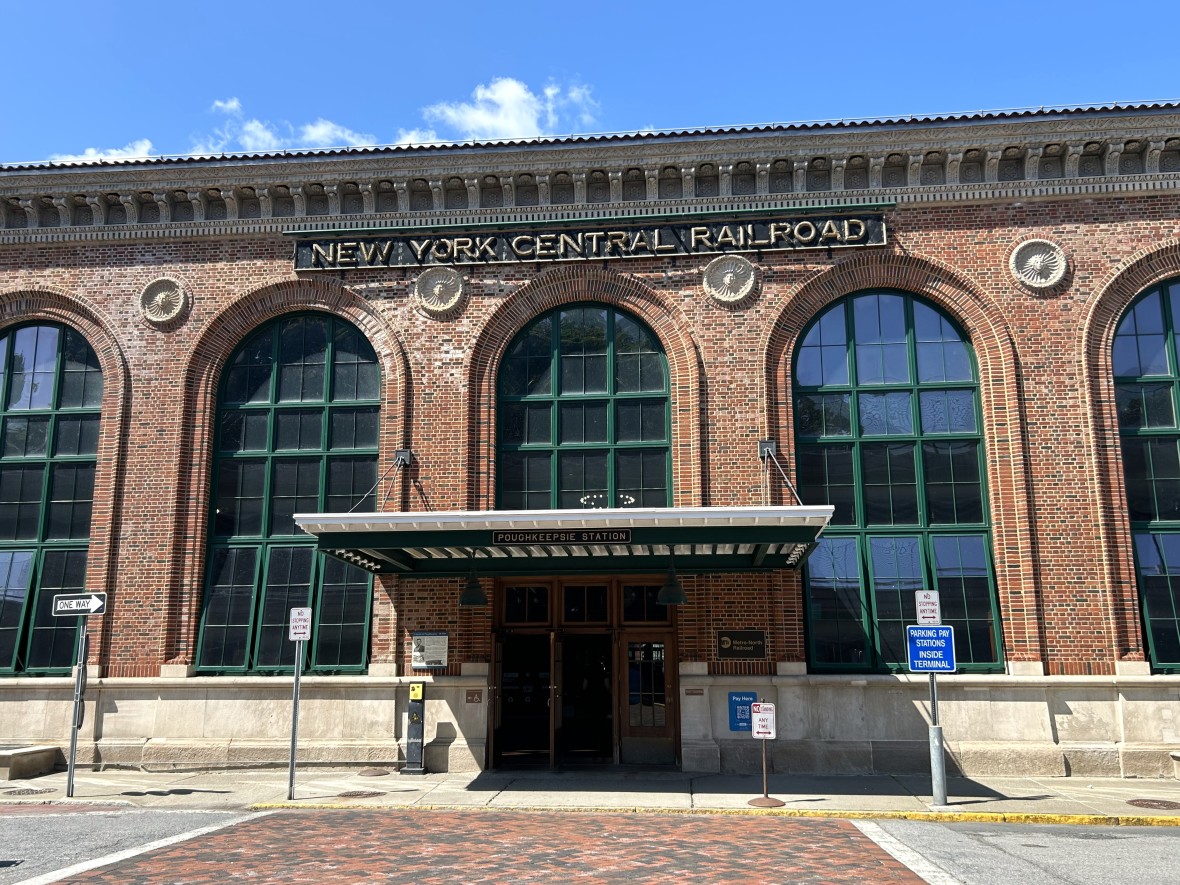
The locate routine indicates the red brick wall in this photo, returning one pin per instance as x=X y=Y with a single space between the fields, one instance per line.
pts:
x=1060 y=534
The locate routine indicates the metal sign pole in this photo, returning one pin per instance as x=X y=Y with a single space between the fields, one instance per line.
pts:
x=937 y=761
x=295 y=719
x=79 y=690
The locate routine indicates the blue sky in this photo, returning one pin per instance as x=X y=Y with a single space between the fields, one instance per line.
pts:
x=145 y=79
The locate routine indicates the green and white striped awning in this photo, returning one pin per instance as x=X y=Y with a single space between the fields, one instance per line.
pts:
x=520 y=543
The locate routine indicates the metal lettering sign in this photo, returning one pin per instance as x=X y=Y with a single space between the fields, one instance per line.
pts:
x=931 y=649
x=578 y=536
x=621 y=240
x=300 y=624
x=66 y=604
x=762 y=722
x=928 y=607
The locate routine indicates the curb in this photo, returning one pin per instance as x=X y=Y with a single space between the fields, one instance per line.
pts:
x=997 y=817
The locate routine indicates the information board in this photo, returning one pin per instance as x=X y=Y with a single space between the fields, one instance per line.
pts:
x=931 y=648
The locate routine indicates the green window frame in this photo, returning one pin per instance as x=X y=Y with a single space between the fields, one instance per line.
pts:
x=584 y=413
x=51 y=386
x=1146 y=369
x=888 y=431
x=298 y=421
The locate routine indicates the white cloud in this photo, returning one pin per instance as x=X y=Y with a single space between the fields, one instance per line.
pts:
x=508 y=109
x=324 y=133
x=255 y=135
x=416 y=136
x=135 y=150
x=237 y=133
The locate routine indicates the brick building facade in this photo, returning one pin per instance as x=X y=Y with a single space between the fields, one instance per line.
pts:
x=986 y=397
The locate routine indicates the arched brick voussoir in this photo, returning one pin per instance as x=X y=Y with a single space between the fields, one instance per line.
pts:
x=568 y=284
x=50 y=304
x=1007 y=463
x=204 y=362
x=1125 y=282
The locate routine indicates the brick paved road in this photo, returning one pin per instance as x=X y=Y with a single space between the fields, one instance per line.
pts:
x=335 y=846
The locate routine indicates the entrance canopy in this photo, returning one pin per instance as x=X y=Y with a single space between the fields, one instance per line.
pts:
x=570 y=542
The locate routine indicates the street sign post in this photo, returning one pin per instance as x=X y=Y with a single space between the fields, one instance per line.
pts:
x=80 y=606
x=298 y=632
x=764 y=728
x=931 y=649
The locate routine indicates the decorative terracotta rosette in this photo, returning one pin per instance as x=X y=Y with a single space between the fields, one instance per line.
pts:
x=163 y=301
x=439 y=290
x=729 y=279
x=1038 y=264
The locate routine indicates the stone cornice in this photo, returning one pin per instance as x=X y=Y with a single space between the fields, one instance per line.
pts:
x=1082 y=155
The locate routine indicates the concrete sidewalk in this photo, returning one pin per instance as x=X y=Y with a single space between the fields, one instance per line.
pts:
x=1047 y=800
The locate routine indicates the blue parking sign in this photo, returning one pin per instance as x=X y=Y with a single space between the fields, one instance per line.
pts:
x=931 y=648
x=739 y=710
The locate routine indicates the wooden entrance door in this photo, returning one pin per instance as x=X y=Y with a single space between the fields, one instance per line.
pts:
x=647 y=699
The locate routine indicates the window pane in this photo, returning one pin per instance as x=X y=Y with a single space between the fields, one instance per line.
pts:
x=26 y=437
x=582 y=423
x=70 y=497
x=81 y=378
x=826 y=477
x=354 y=429
x=886 y=414
x=248 y=379
x=527 y=368
x=288 y=585
x=228 y=607
x=582 y=480
x=77 y=435
x=351 y=485
x=584 y=604
x=1145 y=405
x=889 y=483
x=524 y=423
x=240 y=487
x=298 y=429
x=355 y=375
x=341 y=632
x=21 y=491
x=835 y=605
x=642 y=478
x=303 y=352
x=824 y=414
x=961 y=577
x=295 y=488
x=15 y=571
x=897 y=571
x=948 y=411
x=51 y=644
x=583 y=350
x=525 y=482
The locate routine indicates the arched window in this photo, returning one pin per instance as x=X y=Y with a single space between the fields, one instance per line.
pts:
x=887 y=430
x=584 y=414
x=297 y=426
x=52 y=389
x=1147 y=387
